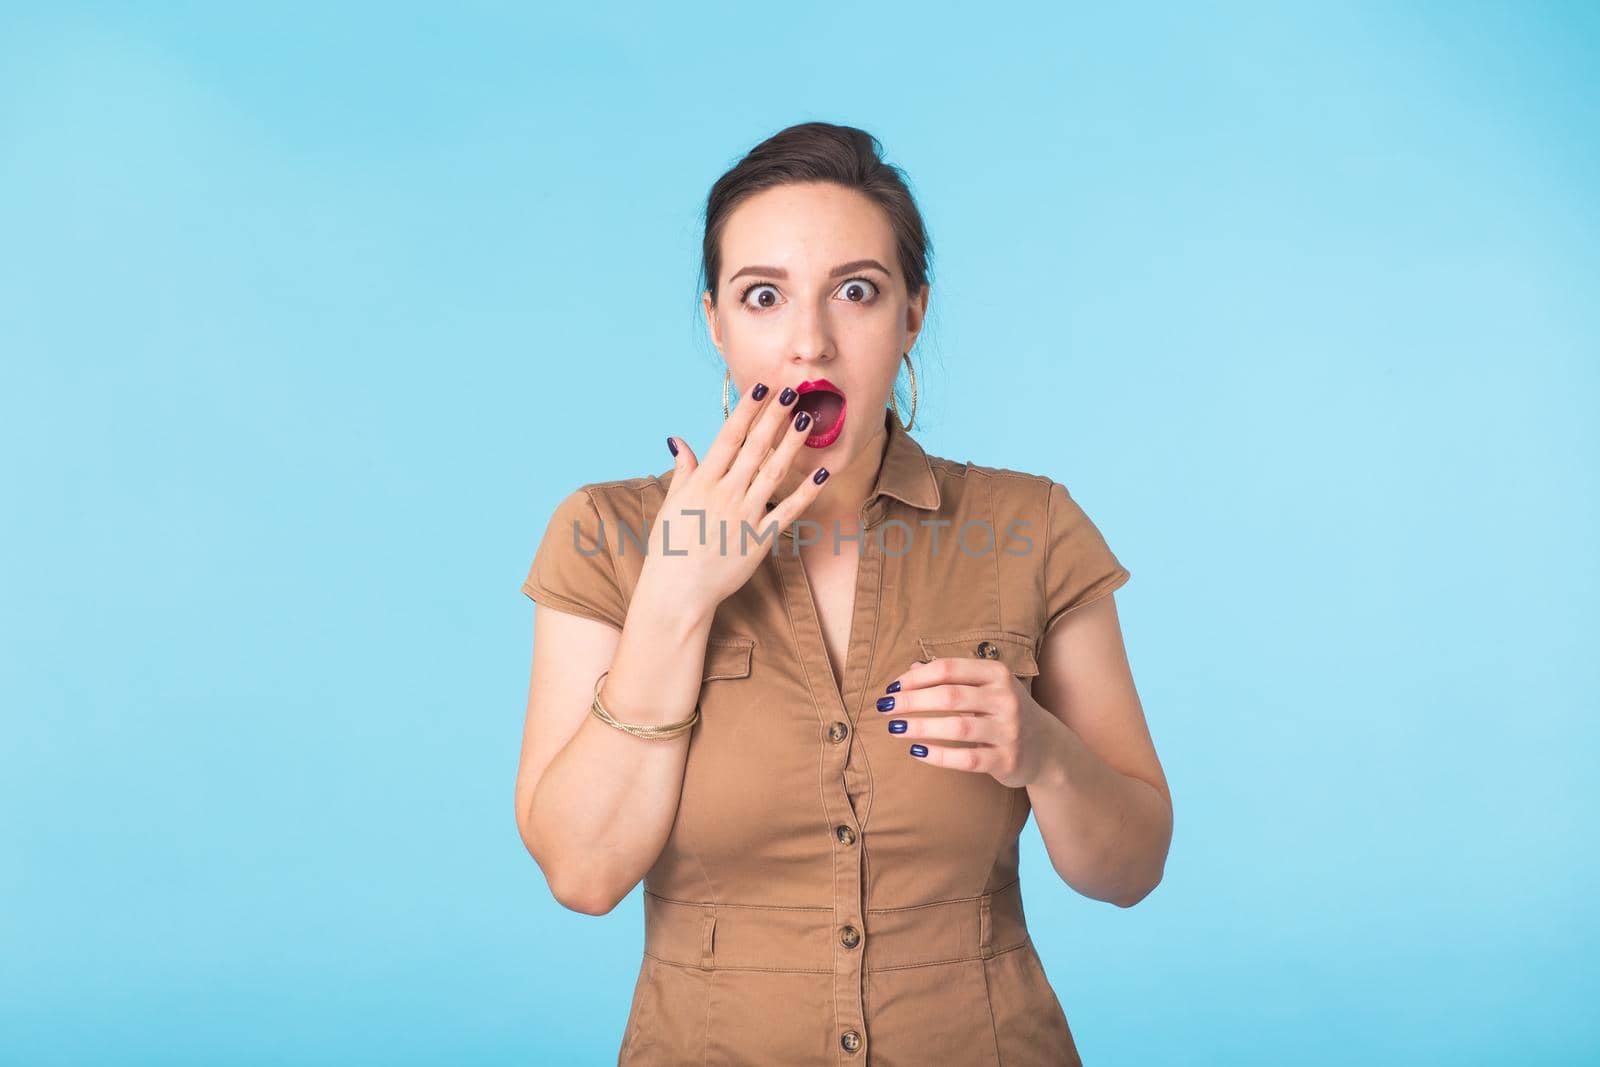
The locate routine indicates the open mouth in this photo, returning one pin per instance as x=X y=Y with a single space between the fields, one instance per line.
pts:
x=825 y=403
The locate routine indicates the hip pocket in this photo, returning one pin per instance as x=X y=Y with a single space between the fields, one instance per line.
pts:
x=1029 y=1025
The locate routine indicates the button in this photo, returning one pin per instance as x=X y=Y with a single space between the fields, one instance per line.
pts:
x=837 y=731
x=850 y=1041
x=849 y=936
x=988 y=650
x=845 y=834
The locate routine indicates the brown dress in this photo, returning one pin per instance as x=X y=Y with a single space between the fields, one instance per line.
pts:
x=825 y=897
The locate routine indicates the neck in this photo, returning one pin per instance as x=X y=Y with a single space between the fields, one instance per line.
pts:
x=846 y=489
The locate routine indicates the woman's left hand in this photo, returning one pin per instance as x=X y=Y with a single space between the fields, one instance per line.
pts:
x=953 y=698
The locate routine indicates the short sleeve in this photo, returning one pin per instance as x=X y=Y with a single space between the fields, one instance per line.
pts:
x=572 y=568
x=1079 y=566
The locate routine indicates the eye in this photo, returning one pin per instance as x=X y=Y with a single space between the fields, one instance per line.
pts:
x=752 y=287
x=854 y=286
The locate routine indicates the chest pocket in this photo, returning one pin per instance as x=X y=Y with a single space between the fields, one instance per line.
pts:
x=1013 y=649
x=727 y=657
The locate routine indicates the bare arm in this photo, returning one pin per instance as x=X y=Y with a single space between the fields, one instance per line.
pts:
x=595 y=805
x=1102 y=802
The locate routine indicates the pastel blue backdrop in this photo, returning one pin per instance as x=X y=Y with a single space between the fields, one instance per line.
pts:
x=311 y=313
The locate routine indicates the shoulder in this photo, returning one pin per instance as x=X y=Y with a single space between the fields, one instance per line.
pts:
x=965 y=485
x=1026 y=504
x=614 y=509
x=621 y=496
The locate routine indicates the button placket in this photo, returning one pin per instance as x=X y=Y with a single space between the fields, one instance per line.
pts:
x=840 y=767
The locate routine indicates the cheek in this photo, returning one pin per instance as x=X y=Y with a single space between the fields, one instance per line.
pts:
x=875 y=338
x=751 y=351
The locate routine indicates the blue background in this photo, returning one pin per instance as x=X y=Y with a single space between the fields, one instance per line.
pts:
x=310 y=315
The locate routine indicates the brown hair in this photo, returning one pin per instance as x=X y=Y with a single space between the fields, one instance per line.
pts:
x=819 y=152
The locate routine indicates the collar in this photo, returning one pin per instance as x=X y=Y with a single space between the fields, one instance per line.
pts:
x=905 y=474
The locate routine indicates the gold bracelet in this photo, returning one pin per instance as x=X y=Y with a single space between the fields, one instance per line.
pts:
x=650 y=731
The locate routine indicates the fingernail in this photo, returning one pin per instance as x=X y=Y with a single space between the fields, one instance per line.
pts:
x=886 y=703
x=787 y=396
x=919 y=750
x=897 y=726
x=894 y=686
x=759 y=391
x=672 y=446
x=821 y=475
x=802 y=420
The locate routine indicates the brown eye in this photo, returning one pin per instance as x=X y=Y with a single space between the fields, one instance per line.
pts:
x=859 y=290
x=761 y=301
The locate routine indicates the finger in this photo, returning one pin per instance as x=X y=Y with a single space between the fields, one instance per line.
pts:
x=799 y=499
x=684 y=463
x=947 y=699
x=972 y=729
x=759 y=441
x=947 y=670
x=730 y=439
x=979 y=758
x=772 y=473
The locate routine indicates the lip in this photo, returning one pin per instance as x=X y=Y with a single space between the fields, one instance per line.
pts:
x=823 y=440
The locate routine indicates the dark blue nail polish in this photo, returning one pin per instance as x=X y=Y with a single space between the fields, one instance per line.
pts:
x=821 y=475
x=886 y=703
x=787 y=396
x=672 y=446
x=894 y=687
x=802 y=420
x=919 y=750
x=759 y=391
x=897 y=726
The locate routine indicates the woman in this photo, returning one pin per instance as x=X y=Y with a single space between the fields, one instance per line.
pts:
x=819 y=749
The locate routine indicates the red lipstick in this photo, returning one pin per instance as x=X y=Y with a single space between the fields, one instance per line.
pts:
x=826 y=403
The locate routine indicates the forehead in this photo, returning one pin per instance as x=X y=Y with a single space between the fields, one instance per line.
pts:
x=807 y=228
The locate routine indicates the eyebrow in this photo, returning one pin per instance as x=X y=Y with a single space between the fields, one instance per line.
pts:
x=844 y=268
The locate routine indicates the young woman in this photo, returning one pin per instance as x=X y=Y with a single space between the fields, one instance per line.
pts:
x=809 y=687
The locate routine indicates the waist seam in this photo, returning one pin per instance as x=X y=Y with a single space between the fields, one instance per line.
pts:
x=828 y=970
x=828 y=907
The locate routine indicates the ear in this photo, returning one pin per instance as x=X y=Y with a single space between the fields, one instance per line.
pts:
x=711 y=319
x=916 y=314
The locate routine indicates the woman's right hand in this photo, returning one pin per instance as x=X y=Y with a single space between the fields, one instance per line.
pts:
x=730 y=487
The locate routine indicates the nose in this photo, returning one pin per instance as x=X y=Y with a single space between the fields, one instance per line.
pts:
x=811 y=343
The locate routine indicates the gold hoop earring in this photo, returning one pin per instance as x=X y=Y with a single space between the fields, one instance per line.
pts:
x=905 y=424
